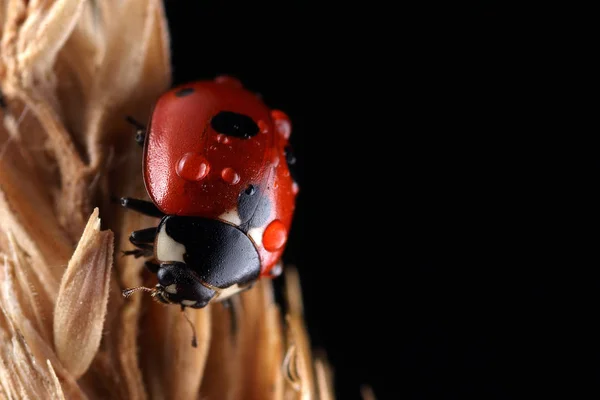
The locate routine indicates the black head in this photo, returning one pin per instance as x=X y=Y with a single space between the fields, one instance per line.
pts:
x=177 y=284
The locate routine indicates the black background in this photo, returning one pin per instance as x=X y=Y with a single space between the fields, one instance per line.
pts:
x=414 y=233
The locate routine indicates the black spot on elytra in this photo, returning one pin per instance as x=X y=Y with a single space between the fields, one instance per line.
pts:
x=184 y=92
x=253 y=208
x=234 y=124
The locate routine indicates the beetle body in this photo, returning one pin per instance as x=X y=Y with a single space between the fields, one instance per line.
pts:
x=216 y=168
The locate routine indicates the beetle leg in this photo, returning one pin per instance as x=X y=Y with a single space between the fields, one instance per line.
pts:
x=142 y=251
x=140 y=130
x=142 y=206
x=143 y=236
x=143 y=240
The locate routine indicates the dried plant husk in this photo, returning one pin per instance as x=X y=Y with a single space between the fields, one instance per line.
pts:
x=70 y=72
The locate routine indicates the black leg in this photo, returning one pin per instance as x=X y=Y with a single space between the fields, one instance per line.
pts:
x=140 y=130
x=3 y=105
x=143 y=236
x=142 y=206
x=143 y=250
x=143 y=240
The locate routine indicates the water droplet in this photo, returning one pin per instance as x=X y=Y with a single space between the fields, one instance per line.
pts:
x=230 y=176
x=282 y=123
x=276 y=270
x=192 y=167
x=221 y=138
x=212 y=147
x=295 y=188
x=229 y=81
x=275 y=236
x=263 y=126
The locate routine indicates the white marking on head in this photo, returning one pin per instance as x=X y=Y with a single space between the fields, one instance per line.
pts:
x=231 y=216
x=171 y=289
x=167 y=249
x=188 y=303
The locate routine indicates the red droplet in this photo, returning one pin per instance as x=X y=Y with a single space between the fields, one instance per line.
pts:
x=283 y=124
x=275 y=236
x=229 y=81
x=223 y=139
x=295 y=188
x=192 y=167
x=230 y=176
x=263 y=126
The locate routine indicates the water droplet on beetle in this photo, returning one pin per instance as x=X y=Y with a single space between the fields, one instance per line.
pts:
x=230 y=176
x=192 y=167
x=263 y=126
x=275 y=236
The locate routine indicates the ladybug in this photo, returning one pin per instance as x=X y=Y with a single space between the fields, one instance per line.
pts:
x=216 y=168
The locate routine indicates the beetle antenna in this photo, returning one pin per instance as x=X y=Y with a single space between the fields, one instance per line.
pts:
x=187 y=318
x=128 y=292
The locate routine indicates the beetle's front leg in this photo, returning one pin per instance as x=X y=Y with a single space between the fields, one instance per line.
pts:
x=143 y=240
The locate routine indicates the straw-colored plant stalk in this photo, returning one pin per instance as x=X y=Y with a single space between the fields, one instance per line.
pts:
x=70 y=71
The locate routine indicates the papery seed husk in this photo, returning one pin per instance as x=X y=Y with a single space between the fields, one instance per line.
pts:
x=26 y=213
x=41 y=350
x=82 y=299
x=249 y=313
x=121 y=69
x=324 y=378
x=221 y=357
x=72 y=210
x=58 y=394
x=297 y=336
x=123 y=335
x=267 y=382
x=173 y=368
x=225 y=360
x=367 y=393
x=43 y=33
x=36 y=297
x=27 y=371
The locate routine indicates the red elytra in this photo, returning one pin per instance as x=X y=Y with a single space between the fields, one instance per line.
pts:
x=190 y=169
